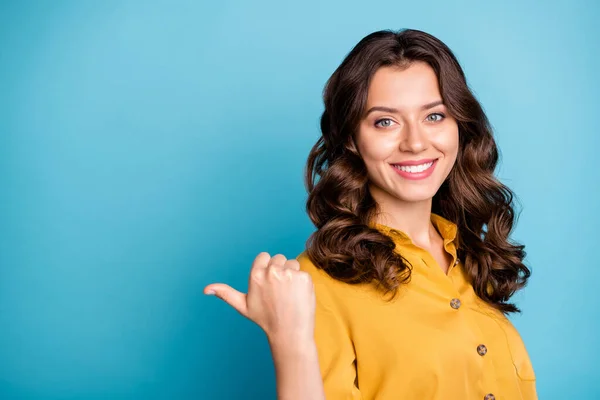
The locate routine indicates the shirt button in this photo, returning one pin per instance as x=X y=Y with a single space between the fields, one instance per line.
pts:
x=455 y=303
x=481 y=350
x=489 y=396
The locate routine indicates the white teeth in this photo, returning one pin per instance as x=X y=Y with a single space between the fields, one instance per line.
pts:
x=414 y=168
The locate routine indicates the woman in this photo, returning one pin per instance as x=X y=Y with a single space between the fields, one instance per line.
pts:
x=411 y=263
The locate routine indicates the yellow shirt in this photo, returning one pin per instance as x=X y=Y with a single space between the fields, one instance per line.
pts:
x=436 y=340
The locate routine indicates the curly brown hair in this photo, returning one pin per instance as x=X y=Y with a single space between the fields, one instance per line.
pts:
x=340 y=205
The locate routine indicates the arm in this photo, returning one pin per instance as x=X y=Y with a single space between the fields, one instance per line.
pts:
x=297 y=370
x=281 y=301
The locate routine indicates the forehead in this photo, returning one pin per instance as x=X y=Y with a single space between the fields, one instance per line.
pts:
x=408 y=87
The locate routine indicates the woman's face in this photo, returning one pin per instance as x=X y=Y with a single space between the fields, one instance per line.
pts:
x=406 y=137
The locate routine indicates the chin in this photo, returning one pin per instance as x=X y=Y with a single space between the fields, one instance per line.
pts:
x=412 y=195
x=414 y=199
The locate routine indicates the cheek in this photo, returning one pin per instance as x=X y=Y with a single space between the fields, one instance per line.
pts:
x=374 y=148
x=447 y=142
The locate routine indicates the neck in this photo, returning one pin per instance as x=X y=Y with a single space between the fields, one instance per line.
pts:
x=410 y=217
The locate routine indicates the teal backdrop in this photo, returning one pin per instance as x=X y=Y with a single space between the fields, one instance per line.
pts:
x=148 y=148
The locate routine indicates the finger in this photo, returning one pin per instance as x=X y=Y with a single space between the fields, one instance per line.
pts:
x=230 y=296
x=277 y=260
x=278 y=273
x=261 y=260
x=292 y=264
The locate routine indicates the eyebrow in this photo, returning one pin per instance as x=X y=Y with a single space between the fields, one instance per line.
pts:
x=395 y=110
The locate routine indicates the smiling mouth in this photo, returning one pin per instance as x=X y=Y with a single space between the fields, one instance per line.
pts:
x=414 y=169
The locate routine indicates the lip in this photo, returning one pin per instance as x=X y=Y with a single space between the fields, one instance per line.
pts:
x=417 y=175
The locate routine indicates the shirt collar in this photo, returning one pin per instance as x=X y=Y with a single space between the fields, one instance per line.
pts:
x=447 y=229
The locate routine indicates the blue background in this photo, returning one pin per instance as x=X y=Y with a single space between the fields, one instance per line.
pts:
x=150 y=148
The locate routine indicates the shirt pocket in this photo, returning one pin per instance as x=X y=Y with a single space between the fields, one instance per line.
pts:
x=518 y=352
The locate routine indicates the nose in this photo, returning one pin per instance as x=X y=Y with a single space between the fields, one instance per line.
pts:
x=413 y=139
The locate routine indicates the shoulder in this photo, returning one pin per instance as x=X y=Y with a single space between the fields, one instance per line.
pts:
x=307 y=265
x=318 y=275
x=329 y=288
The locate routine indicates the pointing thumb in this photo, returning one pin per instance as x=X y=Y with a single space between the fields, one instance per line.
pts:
x=230 y=296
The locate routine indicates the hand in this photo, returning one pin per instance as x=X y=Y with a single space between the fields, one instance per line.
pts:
x=280 y=299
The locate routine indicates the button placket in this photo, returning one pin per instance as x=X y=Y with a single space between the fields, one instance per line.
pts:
x=452 y=268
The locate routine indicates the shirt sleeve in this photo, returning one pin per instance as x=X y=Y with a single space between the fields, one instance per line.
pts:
x=334 y=346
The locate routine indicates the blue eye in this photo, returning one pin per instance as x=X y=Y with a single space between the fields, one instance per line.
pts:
x=438 y=117
x=386 y=123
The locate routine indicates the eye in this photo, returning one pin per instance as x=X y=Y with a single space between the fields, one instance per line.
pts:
x=383 y=123
x=435 y=117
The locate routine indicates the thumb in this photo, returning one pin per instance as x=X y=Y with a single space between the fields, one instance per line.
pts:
x=229 y=295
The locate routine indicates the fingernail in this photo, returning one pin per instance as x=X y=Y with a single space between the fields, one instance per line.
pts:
x=210 y=292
